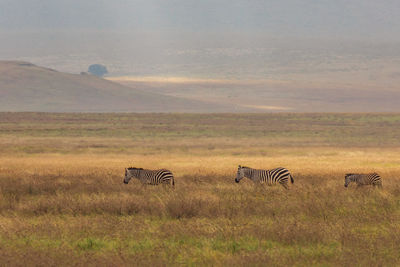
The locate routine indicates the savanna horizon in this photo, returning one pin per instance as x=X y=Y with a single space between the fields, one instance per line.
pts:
x=63 y=200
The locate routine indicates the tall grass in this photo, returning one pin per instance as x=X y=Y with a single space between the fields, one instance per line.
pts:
x=62 y=207
x=63 y=201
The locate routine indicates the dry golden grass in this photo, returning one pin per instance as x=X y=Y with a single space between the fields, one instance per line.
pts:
x=67 y=206
x=76 y=210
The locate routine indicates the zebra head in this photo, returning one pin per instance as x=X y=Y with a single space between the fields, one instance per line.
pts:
x=128 y=176
x=240 y=174
x=132 y=172
x=347 y=179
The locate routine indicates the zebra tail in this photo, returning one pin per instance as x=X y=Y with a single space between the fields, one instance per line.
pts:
x=291 y=178
x=173 y=182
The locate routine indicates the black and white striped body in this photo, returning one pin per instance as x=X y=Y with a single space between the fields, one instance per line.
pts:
x=269 y=177
x=363 y=179
x=152 y=177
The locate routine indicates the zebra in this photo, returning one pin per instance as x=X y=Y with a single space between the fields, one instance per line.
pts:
x=153 y=177
x=363 y=179
x=278 y=175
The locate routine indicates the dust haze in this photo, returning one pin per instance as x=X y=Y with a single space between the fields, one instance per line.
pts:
x=318 y=47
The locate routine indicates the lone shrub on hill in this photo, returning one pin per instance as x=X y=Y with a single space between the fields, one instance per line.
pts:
x=98 y=70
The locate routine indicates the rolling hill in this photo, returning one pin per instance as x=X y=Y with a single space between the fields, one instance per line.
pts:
x=314 y=95
x=27 y=87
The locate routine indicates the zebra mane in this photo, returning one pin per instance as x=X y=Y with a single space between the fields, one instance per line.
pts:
x=134 y=168
x=349 y=174
x=246 y=167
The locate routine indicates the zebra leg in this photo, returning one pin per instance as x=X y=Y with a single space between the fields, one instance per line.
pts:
x=167 y=183
x=359 y=186
x=260 y=185
x=285 y=186
x=143 y=185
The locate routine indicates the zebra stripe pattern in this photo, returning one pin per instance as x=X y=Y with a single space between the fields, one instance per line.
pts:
x=270 y=177
x=152 y=177
x=363 y=179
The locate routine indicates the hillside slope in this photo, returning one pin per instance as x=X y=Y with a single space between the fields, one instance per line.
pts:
x=290 y=96
x=27 y=87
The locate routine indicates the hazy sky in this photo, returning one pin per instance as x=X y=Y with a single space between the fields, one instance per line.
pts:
x=310 y=17
x=192 y=35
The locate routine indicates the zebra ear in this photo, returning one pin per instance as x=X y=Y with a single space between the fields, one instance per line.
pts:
x=240 y=166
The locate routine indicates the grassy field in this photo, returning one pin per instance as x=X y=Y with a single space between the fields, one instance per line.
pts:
x=63 y=201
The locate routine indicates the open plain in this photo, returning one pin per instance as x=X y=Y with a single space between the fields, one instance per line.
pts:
x=63 y=201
